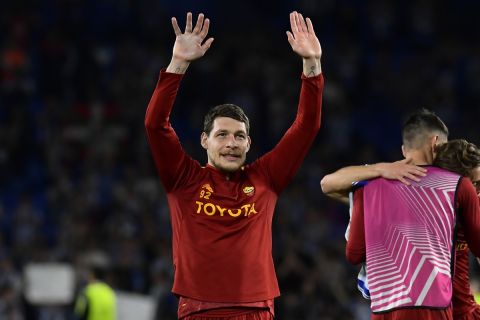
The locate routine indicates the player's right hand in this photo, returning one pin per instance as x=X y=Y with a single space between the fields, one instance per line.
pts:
x=190 y=45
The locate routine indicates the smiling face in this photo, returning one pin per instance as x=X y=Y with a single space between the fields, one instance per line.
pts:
x=227 y=144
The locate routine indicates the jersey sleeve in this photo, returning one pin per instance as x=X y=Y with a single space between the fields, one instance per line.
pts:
x=281 y=163
x=469 y=209
x=355 y=250
x=81 y=307
x=173 y=164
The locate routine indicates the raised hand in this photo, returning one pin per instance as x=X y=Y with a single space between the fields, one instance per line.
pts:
x=305 y=43
x=189 y=45
x=302 y=38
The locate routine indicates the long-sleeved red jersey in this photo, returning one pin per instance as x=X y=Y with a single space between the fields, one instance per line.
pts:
x=222 y=238
x=463 y=301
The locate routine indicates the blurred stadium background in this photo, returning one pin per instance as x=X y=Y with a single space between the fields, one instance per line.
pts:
x=77 y=182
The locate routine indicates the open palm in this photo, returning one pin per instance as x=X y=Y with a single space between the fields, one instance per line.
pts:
x=190 y=45
x=302 y=38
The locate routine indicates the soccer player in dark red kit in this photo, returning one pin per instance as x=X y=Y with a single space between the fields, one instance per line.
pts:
x=221 y=213
x=456 y=156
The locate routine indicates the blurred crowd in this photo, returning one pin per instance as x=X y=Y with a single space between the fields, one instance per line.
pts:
x=76 y=175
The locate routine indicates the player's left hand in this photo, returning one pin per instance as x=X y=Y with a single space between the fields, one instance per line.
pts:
x=302 y=37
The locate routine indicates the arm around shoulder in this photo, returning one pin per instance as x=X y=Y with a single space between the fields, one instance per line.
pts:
x=340 y=181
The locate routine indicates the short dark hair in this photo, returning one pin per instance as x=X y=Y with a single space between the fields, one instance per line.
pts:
x=99 y=272
x=418 y=125
x=458 y=156
x=225 y=110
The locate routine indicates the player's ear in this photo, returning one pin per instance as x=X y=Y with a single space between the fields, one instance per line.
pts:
x=203 y=140
x=434 y=141
x=404 y=152
x=249 y=142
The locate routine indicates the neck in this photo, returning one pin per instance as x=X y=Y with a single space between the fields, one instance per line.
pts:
x=228 y=174
x=420 y=157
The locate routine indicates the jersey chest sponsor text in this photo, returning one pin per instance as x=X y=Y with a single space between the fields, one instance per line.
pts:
x=207 y=207
x=211 y=209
